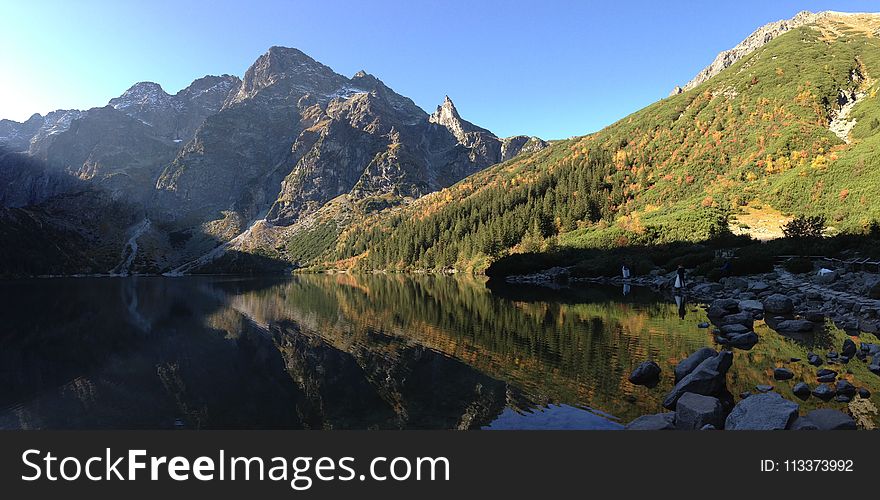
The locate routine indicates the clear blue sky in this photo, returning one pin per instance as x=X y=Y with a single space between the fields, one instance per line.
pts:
x=550 y=68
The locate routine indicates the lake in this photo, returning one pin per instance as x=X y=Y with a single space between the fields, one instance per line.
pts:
x=354 y=352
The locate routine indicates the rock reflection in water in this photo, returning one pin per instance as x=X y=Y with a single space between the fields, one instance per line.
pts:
x=339 y=352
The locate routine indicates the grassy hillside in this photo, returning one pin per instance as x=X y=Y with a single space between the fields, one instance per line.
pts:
x=675 y=171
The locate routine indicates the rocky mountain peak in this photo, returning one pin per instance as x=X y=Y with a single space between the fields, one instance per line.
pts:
x=142 y=95
x=447 y=116
x=285 y=63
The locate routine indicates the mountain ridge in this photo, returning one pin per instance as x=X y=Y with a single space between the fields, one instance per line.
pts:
x=207 y=162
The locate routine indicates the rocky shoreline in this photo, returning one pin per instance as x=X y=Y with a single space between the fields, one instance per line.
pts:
x=848 y=299
x=700 y=399
x=789 y=304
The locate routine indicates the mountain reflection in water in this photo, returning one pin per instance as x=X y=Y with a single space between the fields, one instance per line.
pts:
x=342 y=352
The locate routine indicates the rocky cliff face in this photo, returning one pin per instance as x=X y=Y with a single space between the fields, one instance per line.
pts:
x=276 y=145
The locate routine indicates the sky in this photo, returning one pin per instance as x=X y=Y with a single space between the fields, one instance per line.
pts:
x=550 y=68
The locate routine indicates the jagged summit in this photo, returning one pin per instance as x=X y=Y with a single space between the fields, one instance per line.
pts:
x=142 y=95
x=286 y=63
x=446 y=115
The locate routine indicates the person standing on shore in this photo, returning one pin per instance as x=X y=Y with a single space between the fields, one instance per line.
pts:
x=679 y=278
x=624 y=271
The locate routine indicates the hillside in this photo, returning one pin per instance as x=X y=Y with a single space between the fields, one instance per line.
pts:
x=792 y=126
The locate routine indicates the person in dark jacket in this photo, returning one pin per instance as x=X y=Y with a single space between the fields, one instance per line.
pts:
x=679 y=277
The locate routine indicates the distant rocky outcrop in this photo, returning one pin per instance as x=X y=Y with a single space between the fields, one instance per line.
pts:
x=757 y=39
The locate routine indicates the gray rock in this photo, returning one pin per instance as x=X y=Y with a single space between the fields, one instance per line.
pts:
x=828 y=419
x=707 y=288
x=826 y=375
x=708 y=379
x=695 y=411
x=845 y=388
x=782 y=374
x=735 y=283
x=751 y=306
x=849 y=348
x=804 y=424
x=687 y=365
x=815 y=316
x=722 y=307
x=801 y=390
x=763 y=388
x=740 y=318
x=814 y=359
x=778 y=304
x=758 y=287
x=743 y=340
x=734 y=329
x=795 y=325
x=656 y=422
x=823 y=392
x=762 y=412
x=864 y=393
x=647 y=373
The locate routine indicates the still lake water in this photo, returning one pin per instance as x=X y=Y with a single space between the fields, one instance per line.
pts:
x=352 y=352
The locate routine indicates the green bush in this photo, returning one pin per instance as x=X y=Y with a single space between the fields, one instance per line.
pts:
x=803 y=226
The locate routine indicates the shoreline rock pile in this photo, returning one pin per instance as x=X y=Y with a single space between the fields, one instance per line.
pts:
x=700 y=399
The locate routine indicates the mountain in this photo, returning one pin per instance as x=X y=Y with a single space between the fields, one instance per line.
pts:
x=786 y=124
x=189 y=175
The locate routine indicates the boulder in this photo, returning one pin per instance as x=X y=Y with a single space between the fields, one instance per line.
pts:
x=722 y=307
x=845 y=388
x=849 y=348
x=763 y=388
x=815 y=316
x=814 y=359
x=823 y=392
x=656 y=422
x=782 y=374
x=826 y=375
x=735 y=283
x=740 y=318
x=695 y=411
x=687 y=365
x=707 y=288
x=761 y=412
x=743 y=341
x=804 y=424
x=828 y=419
x=708 y=379
x=751 y=306
x=794 y=325
x=864 y=393
x=647 y=373
x=735 y=328
x=801 y=390
x=778 y=304
x=758 y=286
x=874 y=291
